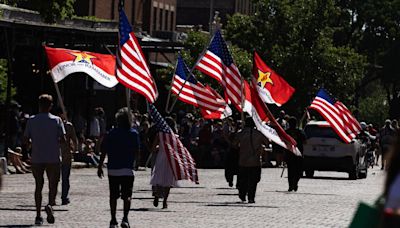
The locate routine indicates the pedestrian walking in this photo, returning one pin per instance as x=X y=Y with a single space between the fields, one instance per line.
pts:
x=121 y=145
x=162 y=176
x=46 y=132
x=66 y=152
x=294 y=162
x=251 y=143
x=386 y=137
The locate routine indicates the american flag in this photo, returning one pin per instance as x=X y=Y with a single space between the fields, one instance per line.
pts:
x=217 y=62
x=337 y=115
x=351 y=124
x=179 y=158
x=132 y=69
x=207 y=114
x=191 y=91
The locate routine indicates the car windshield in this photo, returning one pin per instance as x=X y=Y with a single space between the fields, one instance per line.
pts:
x=314 y=131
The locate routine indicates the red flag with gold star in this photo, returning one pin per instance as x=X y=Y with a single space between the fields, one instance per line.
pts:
x=63 y=62
x=272 y=88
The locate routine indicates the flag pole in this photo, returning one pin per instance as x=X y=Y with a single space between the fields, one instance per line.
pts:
x=169 y=92
x=188 y=77
x=242 y=102
x=60 y=100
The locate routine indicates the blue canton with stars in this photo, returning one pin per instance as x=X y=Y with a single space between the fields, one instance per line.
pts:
x=159 y=121
x=325 y=95
x=124 y=28
x=219 y=48
x=182 y=70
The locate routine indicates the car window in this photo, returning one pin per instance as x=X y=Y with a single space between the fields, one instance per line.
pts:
x=314 y=131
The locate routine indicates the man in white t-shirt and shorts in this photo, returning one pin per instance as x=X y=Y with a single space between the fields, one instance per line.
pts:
x=46 y=132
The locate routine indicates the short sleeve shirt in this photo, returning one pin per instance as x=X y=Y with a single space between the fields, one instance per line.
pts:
x=45 y=130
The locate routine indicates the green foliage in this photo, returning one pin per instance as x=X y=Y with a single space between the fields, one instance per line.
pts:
x=297 y=39
x=3 y=81
x=54 y=9
x=374 y=107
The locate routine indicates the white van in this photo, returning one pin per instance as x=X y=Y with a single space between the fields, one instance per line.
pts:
x=325 y=151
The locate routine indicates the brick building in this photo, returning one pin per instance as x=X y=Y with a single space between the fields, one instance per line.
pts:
x=201 y=10
x=157 y=18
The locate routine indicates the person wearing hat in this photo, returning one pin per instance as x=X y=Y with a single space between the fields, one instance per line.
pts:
x=386 y=136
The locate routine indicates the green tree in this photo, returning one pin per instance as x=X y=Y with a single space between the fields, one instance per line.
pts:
x=55 y=9
x=297 y=40
x=50 y=10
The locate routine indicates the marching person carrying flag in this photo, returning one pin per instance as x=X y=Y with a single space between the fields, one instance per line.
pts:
x=173 y=160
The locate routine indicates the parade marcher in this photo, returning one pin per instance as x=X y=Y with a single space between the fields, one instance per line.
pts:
x=162 y=176
x=386 y=136
x=251 y=143
x=121 y=145
x=231 y=160
x=294 y=163
x=46 y=131
x=66 y=153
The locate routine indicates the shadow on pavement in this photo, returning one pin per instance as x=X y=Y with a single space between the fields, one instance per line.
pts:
x=16 y=225
x=149 y=210
x=237 y=204
x=227 y=194
x=304 y=193
x=143 y=198
x=327 y=178
x=226 y=188
x=26 y=209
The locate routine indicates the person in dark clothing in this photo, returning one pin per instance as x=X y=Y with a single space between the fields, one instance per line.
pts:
x=121 y=145
x=294 y=162
x=251 y=143
x=231 y=161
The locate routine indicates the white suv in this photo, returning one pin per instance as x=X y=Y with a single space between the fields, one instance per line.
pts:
x=325 y=151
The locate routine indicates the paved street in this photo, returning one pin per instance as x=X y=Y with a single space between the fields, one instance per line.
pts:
x=326 y=201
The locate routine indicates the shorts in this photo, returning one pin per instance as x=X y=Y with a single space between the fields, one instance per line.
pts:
x=121 y=186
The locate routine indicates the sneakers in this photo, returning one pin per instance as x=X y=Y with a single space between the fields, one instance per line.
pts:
x=38 y=221
x=165 y=205
x=252 y=201
x=155 y=202
x=242 y=198
x=125 y=223
x=65 y=202
x=49 y=212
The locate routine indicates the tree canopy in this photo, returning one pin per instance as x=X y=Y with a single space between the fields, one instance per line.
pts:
x=339 y=45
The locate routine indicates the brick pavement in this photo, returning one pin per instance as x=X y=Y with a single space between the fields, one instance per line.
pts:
x=326 y=201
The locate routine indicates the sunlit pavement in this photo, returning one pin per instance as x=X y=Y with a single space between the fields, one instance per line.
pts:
x=328 y=200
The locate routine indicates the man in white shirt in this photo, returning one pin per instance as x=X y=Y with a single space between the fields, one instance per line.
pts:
x=46 y=132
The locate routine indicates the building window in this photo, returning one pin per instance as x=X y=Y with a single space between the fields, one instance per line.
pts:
x=166 y=24
x=154 y=18
x=160 y=19
x=172 y=28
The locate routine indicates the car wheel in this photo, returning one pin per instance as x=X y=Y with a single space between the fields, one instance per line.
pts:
x=309 y=173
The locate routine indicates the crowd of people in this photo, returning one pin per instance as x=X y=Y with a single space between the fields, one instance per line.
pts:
x=34 y=145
